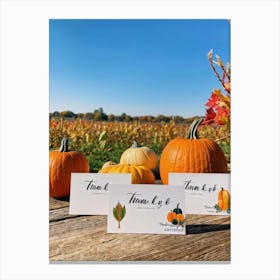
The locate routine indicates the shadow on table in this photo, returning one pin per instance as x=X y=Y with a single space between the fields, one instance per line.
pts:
x=194 y=229
x=65 y=198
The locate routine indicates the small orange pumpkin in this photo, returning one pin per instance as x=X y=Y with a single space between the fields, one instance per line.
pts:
x=224 y=199
x=171 y=216
x=139 y=174
x=192 y=155
x=180 y=217
x=140 y=156
x=61 y=164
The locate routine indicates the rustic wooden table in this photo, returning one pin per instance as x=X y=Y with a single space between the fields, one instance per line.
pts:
x=84 y=238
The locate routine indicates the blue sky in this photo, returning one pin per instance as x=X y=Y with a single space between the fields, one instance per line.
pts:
x=140 y=67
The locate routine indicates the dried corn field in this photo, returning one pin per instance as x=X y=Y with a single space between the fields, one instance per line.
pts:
x=101 y=141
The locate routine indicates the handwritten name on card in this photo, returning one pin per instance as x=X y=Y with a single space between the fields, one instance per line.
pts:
x=146 y=209
x=89 y=192
x=205 y=193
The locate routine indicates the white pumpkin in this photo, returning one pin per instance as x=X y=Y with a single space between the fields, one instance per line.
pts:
x=140 y=156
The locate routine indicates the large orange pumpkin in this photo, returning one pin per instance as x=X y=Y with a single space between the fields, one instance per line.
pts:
x=61 y=164
x=139 y=174
x=192 y=155
x=140 y=156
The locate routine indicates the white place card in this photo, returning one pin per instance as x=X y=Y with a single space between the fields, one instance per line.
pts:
x=146 y=209
x=89 y=192
x=205 y=193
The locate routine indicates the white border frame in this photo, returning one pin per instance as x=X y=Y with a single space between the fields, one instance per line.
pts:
x=24 y=144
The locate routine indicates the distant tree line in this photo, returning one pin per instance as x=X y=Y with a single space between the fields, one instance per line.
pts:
x=99 y=115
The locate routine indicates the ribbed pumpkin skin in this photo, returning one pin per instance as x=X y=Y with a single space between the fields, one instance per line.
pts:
x=61 y=165
x=140 y=156
x=139 y=174
x=191 y=156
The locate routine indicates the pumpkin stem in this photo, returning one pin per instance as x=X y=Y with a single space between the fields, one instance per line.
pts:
x=192 y=133
x=135 y=144
x=64 y=145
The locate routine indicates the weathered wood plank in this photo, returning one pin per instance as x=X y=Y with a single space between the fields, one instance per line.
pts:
x=57 y=203
x=85 y=238
x=60 y=214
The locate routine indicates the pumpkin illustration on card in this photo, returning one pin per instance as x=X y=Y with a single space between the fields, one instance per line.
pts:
x=223 y=201
x=176 y=216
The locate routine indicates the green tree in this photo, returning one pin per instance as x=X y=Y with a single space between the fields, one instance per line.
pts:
x=99 y=115
x=68 y=114
x=111 y=117
x=80 y=115
x=89 y=116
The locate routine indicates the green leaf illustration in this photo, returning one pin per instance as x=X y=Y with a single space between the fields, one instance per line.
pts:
x=119 y=212
x=182 y=223
x=218 y=209
x=123 y=212
x=115 y=213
